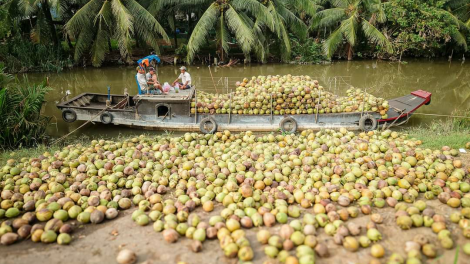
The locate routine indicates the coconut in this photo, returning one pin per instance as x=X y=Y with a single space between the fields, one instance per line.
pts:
x=126 y=256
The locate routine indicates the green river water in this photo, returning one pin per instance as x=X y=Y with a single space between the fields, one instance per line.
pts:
x=449 y=84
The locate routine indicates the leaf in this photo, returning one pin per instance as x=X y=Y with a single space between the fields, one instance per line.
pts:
x=222 y=33
x=349 y=29
x=332 y=43
x=459 y=38
x=242 y=32
x=100 y=44
x=124 y=27
x=201 y=30
x=256 y=9
x=328 y=18
x=83 y=18
x=374 y=35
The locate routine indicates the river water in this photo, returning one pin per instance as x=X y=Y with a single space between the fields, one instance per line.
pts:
x=448 y=82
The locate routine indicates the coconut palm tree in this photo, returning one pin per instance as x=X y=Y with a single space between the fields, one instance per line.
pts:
x=39 y=13
x=286 y=20
x=459 y=11
x=98 y=21
x=347 y=18
x=229 y=18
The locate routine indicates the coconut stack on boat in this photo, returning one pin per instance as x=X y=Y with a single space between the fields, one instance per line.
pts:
x=286 y=95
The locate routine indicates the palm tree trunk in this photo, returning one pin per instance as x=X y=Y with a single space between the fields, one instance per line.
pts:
x=189 y=25
x=50 y=22
x=69 y=42
x=221 y=51
x=176 y=37
x=350 y=52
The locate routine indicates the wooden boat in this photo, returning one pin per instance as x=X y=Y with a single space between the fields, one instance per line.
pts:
x=173 y=112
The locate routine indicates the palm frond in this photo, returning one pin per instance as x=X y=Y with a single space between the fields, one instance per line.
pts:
x=260 y=48
x=222 y=33
x=124 y=27
x=349 y=29
x=308 y=6
x=256 y=9
x=460 y=39
x=100 y=44
x=83 y=42
x=157 y=6
x=328 y=17
x=290 y=20
x=286 y=43
x=81 y=20
x=240 y=29
x=201 y=30
x=28 y=7
x=374 y=35
x=144 y=21
x=340 y=3
x=332 y=43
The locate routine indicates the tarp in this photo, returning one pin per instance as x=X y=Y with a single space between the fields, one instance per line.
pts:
x=147 y=60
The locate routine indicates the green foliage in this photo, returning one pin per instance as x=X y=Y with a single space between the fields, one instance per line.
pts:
x=349 y=18
x=5 y=78
x=32 y=30
x=307 y=51
x=21 y=55
x=182 y=51
x=423 y=27
x=22 y=124
x=98 y=21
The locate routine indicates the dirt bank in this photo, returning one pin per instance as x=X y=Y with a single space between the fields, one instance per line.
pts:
x=99 y=244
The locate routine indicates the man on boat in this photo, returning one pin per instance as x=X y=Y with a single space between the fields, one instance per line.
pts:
x=185 y=78
x=152 y=79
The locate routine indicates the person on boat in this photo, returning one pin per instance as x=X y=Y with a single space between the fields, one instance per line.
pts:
x=144 y=83
x=185 y=78
x=152 y=79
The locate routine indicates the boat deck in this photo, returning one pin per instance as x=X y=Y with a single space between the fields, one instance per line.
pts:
x=406 y=105
x=182 y=95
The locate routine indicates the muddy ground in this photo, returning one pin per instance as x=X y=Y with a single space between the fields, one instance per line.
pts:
x=99 y=244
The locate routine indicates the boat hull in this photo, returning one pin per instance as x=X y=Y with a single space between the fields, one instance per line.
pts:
x=174 y=113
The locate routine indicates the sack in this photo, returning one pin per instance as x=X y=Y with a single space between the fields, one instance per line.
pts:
x=166 y=87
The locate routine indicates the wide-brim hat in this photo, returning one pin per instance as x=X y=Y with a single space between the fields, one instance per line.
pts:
x=183 y=68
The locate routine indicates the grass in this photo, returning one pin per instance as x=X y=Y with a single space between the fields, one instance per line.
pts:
x=454 y=133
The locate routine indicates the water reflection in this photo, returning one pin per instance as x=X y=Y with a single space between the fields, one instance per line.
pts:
x=449 y=83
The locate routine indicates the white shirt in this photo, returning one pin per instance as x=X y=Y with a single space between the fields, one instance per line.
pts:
x=142 y=81
x=185 y=77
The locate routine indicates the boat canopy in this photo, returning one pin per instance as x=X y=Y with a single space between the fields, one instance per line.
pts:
x=145 y=62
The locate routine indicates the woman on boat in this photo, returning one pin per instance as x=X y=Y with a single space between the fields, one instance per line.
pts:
x=185 y=78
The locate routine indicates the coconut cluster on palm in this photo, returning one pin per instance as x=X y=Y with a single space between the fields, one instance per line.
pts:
x=286 y=95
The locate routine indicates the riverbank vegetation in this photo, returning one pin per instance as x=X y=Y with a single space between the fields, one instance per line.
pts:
x=453 y=132
x=21 y=122
x=51 y=35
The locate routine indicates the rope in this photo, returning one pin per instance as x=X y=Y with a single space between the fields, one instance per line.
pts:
x=91 y=120
x=465 y=117
x=63 y=137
